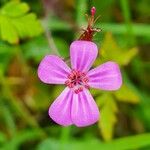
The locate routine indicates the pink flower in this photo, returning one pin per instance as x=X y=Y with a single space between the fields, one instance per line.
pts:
x=75 y=105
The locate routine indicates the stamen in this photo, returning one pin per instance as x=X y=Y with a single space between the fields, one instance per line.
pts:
x=78 y=90
x=77 y=80
x=85 y=80
x=87 y=86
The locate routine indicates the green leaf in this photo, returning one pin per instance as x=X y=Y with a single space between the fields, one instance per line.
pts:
x=16 y=22
x=22 y=137
x=128 y=143
x=57 y=90
x=27 y=26
x=140 y=30
x=81 y=11
x=108 y=116
x=48 y=144
x=6 y=53
x=8 y=117
x=127 y=94
x=36 y=48
x=41 y=100
x=8 y=31
x=95 y=92
x=15 y=9
x=2 y=137
x=125 y=143
x=110 y=51
x=62 y=47
x=57 y=24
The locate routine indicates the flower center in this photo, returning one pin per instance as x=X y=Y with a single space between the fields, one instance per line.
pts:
x=77 y=81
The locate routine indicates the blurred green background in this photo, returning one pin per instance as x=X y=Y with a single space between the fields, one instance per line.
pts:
x=31 y=29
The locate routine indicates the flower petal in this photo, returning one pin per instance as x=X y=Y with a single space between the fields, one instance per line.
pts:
x=106 y=77
x=53 y=70
x=60 y=110
x=83 y=54
x=84 y=110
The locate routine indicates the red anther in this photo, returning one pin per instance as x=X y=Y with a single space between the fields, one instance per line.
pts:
x=85 y=79
x=80 y=89
x=71 y=76
x=70 y=85
x=87 y=86
x=77 y=80
x=67 y=82
x=74 y=72
x=76 y=91
x=83 y=74
x=93 y=11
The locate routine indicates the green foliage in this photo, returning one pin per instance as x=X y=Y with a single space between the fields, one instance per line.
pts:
x=16 y=22
x=48 y=144
x=2 y=138
x=111 y=51
x=127 y=143
x=109 y=108
x=62 y=47
x=22 y=137
x=14 y=9
x=81 y=11
x=8 y=118
x=58 y=24
x=38 y=47
x=24 y=100
x=127 y=94
x=6 y=53
x=108 y=117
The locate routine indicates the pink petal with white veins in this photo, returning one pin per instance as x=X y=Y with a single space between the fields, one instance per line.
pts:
x=60 y=110
x=83 y=54
x=84 y=110
x=53 y=70
x=106 y=76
